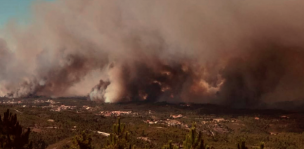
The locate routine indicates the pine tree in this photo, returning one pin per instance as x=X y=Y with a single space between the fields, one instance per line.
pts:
x=170 y=146
x=262 y=145
x=82 y=141
x=119 y=139
x=194 y=140
x=242 y=145
x=11 y=136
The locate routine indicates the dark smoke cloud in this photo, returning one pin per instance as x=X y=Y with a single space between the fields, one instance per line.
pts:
x=238 y=53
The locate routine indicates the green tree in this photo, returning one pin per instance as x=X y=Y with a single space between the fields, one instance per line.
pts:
x=242 y=145
x=262 y=145
x=194 y=140
x=82 y=141
x=170 y=146
x=119 y=139
x=11 y=135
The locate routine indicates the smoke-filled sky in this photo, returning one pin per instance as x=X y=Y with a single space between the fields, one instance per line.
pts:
x=237 y=52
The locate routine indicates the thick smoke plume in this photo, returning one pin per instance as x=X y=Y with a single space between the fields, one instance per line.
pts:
x=237 y=52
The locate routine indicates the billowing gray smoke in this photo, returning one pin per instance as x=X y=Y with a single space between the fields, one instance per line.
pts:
x=237 y=52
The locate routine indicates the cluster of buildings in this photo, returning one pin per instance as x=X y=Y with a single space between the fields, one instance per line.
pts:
x=11 y=102
x=117 y=113
x=58 y=108
x=26 y=102
x=86 y=107
x=169 y=122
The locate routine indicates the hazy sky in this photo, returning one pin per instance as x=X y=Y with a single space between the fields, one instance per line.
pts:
x=18 y=10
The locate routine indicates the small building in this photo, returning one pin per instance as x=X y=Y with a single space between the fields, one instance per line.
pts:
x=284 y=117
x=177 y=116
x=50 y=120
x=144 y=139
x=218 y=119
x=103 y=133
x=173 y=123
x=273 y=133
